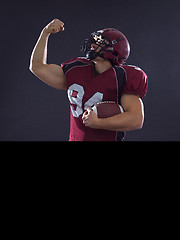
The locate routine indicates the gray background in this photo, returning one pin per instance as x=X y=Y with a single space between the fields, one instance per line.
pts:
x=32 y=111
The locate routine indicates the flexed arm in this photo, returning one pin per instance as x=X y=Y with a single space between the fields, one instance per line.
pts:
x=51 y=74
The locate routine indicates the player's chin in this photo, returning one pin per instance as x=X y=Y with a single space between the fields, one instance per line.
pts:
x=98 y=59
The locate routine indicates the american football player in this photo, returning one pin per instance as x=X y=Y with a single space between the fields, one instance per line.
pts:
x=99 y=76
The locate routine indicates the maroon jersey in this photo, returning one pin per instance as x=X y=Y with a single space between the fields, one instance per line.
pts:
x=85 y=88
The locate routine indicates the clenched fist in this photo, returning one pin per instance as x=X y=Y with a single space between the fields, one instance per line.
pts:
x=90 y=119
x=55 y=26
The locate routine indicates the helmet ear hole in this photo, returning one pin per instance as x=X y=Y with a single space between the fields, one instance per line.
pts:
x=115 y=53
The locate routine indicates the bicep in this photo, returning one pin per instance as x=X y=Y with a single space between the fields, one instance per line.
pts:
x=133 y=104
x=53 y=75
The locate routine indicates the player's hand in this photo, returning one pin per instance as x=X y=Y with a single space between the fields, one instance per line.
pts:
x=54 y=27
x=90 y=119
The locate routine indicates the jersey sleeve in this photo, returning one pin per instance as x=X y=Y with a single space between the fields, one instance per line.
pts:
x=74 y=62
x=68 y=65
x=136 y=81
x=69 y=68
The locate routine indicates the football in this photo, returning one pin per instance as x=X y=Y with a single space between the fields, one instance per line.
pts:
x=107 y=109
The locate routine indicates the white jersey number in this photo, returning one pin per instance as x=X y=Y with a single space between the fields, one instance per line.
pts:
x=76 y=93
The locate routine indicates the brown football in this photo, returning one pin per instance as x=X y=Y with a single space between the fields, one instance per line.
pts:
x=107 y=109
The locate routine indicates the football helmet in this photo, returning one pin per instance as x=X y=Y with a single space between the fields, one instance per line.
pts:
x=112 y=44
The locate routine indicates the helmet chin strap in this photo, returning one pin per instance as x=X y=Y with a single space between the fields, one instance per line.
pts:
x=92 y=54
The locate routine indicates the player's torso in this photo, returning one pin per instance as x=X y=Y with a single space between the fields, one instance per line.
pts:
x=86 y=88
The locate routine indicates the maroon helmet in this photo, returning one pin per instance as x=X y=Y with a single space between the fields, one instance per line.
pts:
x=113 y=46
